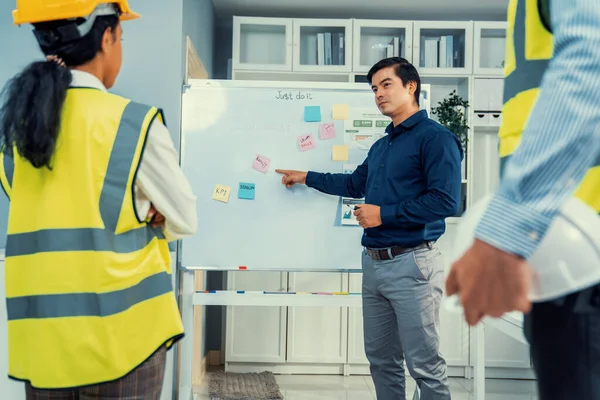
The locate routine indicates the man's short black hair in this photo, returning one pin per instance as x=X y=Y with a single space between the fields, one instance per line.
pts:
x=404 y=70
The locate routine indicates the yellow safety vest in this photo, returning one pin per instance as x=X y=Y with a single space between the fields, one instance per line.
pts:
x=88 y=285
x=529 y=49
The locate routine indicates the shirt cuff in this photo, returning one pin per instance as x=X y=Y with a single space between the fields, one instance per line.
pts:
x=388 y=214
x=512 y=227
x=169 y=236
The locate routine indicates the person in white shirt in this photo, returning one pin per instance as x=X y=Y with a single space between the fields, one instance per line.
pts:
x=162 y=192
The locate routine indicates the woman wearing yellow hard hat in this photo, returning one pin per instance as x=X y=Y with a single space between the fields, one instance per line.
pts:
x=95 y=193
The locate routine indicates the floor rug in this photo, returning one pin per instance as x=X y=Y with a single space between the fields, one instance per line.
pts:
x=250 y=386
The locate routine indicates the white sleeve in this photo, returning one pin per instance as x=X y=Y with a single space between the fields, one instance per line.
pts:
x=161 y=182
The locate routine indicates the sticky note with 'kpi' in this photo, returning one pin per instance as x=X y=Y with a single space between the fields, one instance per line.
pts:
x=306 y=142
x=246 y=191
x=221 y=193
x=339 y=111
x=312 y=114
x=340 y=153
x=261 y=163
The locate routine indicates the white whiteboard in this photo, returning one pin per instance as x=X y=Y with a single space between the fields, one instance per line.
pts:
x=225 y=124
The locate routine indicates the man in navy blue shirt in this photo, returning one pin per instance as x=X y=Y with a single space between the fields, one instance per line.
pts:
x=411 y=181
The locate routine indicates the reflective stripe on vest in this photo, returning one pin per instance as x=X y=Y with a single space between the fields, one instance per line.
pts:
x=87 y=304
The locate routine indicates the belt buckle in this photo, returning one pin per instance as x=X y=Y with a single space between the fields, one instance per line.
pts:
x=374 y=254
x=384 y=254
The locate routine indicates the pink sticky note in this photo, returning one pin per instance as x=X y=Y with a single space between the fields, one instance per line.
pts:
x=327 y=131
x=261 y=163
x=306 y=142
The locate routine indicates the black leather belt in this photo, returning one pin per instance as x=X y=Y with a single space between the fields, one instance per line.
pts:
x=391 y=252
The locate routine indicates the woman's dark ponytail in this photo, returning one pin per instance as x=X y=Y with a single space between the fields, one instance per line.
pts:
x=31 y=111
x=32 y=102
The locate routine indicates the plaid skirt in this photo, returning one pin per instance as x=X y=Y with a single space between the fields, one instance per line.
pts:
x=143 y=383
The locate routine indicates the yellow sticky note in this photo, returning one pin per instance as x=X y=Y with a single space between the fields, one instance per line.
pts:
x=340 y=153
x=221 y=193
x=339 y=111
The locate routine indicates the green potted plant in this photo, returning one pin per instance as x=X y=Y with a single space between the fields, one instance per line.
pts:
x=451 y=113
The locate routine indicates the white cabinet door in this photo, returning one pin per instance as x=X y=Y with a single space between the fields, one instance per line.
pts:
x=356 y=347
x=256 y=334
x=488 y=102
x=9 y=389
x=486 y=163
x=262 y=44
x=454 y=332
x=503 y=351
x=317 y=334
x=489 y=47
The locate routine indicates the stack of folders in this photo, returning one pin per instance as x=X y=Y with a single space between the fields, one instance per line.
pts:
x=330 y=48
x=394 y=48
x=442 y=52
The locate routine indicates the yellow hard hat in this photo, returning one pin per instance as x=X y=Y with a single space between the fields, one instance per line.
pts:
x=34 y=11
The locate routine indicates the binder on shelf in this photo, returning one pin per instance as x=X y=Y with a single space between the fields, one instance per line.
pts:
x=449 y=51
x=328 y=55
x=335 y=46
x=443 y=52
x=342 y=54
x=320 y=49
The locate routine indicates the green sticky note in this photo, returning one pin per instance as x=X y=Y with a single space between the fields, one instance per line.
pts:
x=246 y=191
x=312 y=114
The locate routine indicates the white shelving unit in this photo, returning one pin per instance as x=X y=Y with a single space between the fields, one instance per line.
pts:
x=487 y=104
x=311 y=340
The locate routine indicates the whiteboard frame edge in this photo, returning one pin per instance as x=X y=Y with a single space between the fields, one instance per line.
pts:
x=225 y=83
x=237 y=268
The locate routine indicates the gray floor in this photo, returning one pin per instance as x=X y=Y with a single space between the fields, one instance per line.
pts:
x=333 y=387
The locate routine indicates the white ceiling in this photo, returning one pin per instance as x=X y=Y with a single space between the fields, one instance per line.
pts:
x=369 y=9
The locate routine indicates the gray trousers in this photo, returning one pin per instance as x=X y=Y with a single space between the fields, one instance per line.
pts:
x=401 y=303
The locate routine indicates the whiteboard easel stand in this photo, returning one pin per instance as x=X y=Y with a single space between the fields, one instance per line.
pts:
x=185 y=348
x=191 y=298
x=479 y=378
